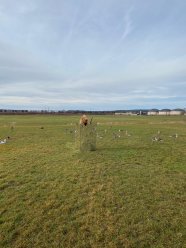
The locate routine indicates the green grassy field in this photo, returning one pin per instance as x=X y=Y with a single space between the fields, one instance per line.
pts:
x=130 y=192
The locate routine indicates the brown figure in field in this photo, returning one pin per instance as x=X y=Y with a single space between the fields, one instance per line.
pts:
x=83 y=120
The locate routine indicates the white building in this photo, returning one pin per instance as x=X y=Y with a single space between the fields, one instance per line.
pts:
x=153 y=112
x=177 y=112
x=164 y=112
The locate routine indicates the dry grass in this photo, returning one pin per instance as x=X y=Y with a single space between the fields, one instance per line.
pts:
x=130 y=192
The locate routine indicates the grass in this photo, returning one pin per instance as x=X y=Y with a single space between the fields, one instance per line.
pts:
x=130 y=192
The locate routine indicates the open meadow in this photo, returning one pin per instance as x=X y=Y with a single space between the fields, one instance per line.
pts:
x=130 y=192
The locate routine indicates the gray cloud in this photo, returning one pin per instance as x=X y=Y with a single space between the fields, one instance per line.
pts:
x=103 y=53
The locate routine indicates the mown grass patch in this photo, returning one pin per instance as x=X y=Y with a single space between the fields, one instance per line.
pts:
x=130 y=192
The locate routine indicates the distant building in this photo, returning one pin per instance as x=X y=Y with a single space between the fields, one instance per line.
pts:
x=177 y=112
x=164 y=112
x=153 y=112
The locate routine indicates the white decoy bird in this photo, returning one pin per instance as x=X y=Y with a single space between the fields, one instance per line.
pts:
x=157 y=139
x=3 y=141
x=127 y=134
x=175 y=136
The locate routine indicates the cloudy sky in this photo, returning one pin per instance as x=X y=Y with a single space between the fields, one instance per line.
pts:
x=92 y=55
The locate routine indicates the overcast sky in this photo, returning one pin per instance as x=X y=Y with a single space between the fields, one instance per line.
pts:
x=92 y=55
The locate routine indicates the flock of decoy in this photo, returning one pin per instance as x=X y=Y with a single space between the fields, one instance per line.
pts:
x=115 y=135
x=119 y=134
x=157 y=138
